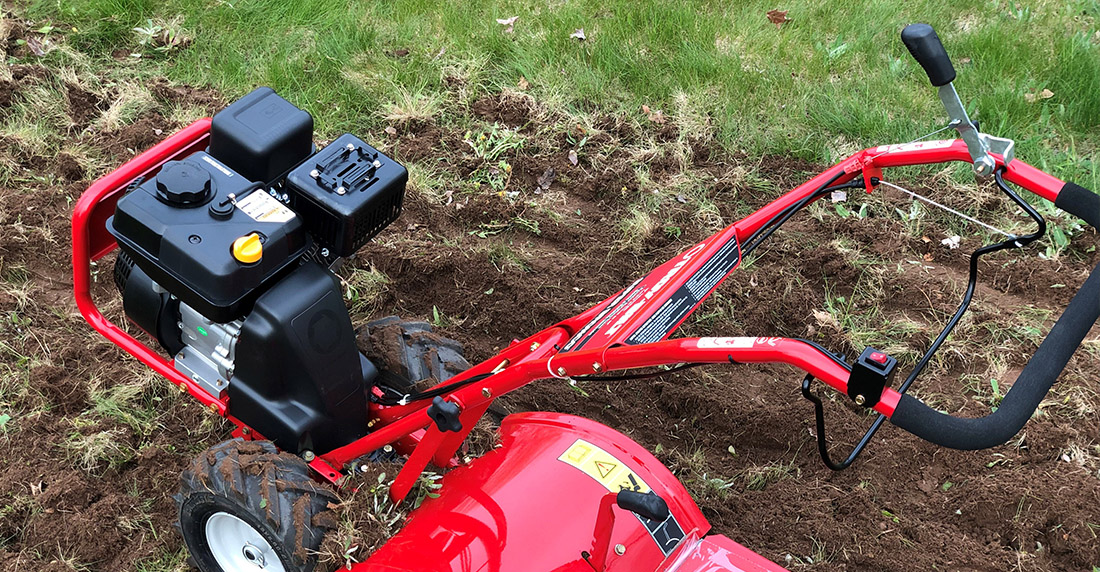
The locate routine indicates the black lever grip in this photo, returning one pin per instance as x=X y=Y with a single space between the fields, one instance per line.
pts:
x=1029 y=390
x=647 y=505
x=927 y=49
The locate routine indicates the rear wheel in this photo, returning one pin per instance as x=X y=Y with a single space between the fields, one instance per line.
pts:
x=244 y=506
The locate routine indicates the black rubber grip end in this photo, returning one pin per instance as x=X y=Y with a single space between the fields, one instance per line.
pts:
x=1030 y=388
x=927 y=49
x=1079 y=202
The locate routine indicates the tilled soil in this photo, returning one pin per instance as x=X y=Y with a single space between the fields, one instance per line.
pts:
x=741 y=438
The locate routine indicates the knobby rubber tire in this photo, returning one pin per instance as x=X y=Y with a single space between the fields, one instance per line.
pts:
x=271 y=491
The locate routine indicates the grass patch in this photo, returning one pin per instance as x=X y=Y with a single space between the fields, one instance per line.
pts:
x=822 y=84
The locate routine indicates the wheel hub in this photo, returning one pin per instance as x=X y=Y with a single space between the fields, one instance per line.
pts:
x=253 y=555
x=235 y=545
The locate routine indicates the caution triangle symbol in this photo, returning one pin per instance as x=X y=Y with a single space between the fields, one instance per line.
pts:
x=604 y=468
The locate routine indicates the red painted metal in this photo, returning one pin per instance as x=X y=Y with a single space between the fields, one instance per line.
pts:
x=91 y=241
x=521 y=508
x=485 y=517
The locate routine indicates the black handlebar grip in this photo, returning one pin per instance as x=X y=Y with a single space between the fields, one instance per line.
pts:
x=1021 y=401
x=1079 y=202
x=927 y=49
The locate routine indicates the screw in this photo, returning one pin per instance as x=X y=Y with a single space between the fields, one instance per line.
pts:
x=596 y=367
x=324 y=252
x=486 y=392
x=534 y=346
x=377 y=163
x=620 y=549
x=860 y=399
x=341 y=190
x=561 y=371
x=314 y=174
x=371 y=423
x=308 y=456
x=183 y=388
x=286 y=198
x=214 y=408
x=363 y=468
x=351 y=147
x=194 y=239
x=246 y=431
x=387 y=449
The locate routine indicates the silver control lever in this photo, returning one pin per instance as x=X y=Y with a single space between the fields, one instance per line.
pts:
x=979 y=144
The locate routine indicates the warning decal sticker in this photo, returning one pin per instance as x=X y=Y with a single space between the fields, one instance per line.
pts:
x=615 y=476
x=602 y=466
x=263 y=207
x=688 y=296
x=653 y=306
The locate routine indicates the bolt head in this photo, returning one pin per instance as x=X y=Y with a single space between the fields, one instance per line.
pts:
x=314 y=173
x=341 y=190
x=308 y=456
x=350 y=147
x=534 y=346
x=860 y=399
x=597 y=367
x=620 y=549
x=561 y=371
x=486 y=392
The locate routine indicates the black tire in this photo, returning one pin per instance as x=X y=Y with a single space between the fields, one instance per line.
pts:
x=410 y=355
x=271 y=492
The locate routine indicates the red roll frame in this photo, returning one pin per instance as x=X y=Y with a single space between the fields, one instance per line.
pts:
x=539 y=356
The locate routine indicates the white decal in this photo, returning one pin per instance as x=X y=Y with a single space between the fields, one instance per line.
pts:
x=217 y=165
x=941 y=144
x=713 y=343
x=262 y=207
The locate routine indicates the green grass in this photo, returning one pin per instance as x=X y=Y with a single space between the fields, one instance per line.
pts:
x=833 y=77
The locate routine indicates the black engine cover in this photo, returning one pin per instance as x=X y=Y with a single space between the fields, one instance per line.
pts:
x=300 y=379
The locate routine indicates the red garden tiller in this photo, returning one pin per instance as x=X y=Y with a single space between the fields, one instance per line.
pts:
x=227 y=233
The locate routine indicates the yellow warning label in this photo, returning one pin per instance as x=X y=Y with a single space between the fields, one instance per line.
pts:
x=602 y=466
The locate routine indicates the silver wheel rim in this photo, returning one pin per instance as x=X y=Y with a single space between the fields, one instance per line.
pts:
x=237 y=546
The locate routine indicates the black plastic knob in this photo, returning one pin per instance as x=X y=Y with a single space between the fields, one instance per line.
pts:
x=927 y=49
x=445 y=414
x=183 y=183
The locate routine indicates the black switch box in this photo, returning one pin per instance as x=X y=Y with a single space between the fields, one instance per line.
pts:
x=872 y=372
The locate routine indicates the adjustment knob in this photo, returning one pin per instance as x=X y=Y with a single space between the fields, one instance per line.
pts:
x=182 y=183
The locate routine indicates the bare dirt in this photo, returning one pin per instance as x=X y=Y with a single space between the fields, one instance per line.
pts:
x=905 y=505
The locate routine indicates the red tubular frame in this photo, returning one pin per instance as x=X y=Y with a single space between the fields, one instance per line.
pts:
x=538 y=356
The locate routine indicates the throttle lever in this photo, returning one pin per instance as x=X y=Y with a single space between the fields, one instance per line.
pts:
x=926 y=47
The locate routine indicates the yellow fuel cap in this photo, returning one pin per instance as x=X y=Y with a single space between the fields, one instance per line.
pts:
x=247 y=249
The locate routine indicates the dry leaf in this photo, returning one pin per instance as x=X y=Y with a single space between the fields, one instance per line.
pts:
x=928 y=257
x=778 y=17
x=36 y=46
x=1032 y=97
x=390 y=130
x=508 y=23
x=523 y=83
x=400 y=52
x=925 y=239
x=579 y=34
x=655 y=116
x=547 y=178
x=645 y=109
x=573 y=157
